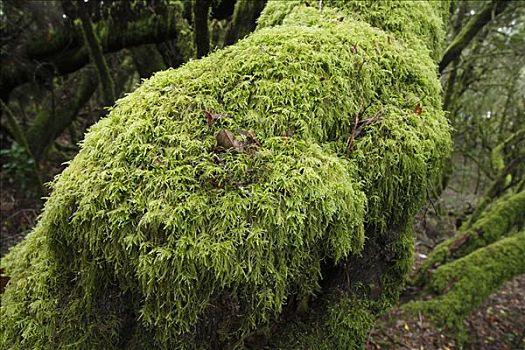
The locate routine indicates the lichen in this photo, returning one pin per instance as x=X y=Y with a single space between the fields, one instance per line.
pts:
x=154 y=235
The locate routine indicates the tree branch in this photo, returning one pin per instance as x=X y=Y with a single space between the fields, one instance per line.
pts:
x=63 y=48
x=96 y=55
x=469 y=31
x=46 y=126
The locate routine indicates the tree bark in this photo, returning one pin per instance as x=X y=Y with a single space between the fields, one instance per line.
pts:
x=201 y=13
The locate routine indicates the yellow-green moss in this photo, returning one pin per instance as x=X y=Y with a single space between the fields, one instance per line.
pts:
x=418 y=23
x=153 y=236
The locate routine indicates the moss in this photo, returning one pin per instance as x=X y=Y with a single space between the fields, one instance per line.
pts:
x=418 y=23
x=343 y=317
x=463 y=284
x=345 y=324
x=157 y=238
x=501 y=219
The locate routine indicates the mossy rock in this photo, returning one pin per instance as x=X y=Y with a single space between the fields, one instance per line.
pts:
x=162 y=234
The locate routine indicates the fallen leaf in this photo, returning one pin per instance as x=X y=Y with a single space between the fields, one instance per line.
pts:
x=226 y=140
x=418 y=109
x=212 y=117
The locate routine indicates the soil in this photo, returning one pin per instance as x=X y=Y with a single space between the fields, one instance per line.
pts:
x=498 y=324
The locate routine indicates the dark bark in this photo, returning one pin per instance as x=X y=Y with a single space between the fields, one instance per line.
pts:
x=201 y=12
x=469 y=31
x=63 y=48
x=244 y=19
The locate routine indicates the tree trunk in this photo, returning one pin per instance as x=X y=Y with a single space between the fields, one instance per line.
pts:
x=148 y=60
x=244 y=19
x=261 y=196
x=201 y=13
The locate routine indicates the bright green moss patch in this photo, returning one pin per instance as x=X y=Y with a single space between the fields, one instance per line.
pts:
x=418 y=23
x=463 y=284
x=159 y=236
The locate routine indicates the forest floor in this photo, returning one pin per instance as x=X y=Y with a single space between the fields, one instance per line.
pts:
x=498 y=324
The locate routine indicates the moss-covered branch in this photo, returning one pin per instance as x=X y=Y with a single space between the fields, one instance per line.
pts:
x=469 y=31
x=458 y=287
x=221 y=199
x=48 y=125
x=97 y=57
x=507 y=162
x=501 y=219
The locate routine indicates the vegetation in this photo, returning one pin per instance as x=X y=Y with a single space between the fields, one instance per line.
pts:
x=258 y=192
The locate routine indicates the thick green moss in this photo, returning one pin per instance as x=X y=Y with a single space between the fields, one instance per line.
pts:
x=463 y=284
x=418 y=23
x=156 y=238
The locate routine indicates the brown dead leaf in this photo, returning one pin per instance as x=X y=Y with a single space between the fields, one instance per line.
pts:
x=211 y=118
x=226 y=140
x=418 y=109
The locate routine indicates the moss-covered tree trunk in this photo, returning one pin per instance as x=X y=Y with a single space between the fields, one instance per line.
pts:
x=261 y=196
x=97 y=57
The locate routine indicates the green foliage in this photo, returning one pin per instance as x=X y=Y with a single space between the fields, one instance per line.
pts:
x=155 y=226
x=19 y=165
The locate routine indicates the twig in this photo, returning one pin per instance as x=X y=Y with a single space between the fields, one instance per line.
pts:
x=358 y=127
x=350 y=141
